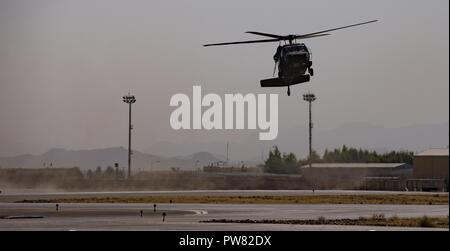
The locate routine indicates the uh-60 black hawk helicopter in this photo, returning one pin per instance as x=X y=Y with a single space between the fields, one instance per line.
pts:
x=293 y=59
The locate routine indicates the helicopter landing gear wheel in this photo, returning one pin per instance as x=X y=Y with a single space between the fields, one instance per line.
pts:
x=289 y=91
x=311 y=71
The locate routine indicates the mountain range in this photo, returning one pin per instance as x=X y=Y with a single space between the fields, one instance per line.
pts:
x=90 y=159
x=192 y=154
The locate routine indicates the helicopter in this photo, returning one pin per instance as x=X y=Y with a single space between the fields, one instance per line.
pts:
x=294 y=60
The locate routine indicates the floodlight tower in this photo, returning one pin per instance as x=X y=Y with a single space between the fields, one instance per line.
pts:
x=129 y=99
x=309 y=97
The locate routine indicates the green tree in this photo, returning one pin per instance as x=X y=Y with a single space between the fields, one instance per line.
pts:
x=315 y=157
x=89 y=174
x=274 y=163
x=74 y=173
x=109 y=173
x=98 y=172
x=290 y=163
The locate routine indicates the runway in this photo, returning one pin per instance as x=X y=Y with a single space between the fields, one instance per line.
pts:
x=187 y=217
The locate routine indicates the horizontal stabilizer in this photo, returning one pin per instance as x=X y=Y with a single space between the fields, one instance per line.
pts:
x=273 y=82
x=279 y=82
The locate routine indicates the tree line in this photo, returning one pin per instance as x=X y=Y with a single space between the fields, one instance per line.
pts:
x=287 y=163
x=108 y=173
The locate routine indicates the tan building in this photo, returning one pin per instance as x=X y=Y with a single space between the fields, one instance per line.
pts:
x=366 y=176
x=431 y=164
x=357 y=170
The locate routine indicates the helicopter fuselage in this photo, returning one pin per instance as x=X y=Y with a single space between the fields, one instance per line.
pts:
x=294 y=61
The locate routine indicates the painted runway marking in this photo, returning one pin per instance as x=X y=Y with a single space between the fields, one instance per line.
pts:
x=199 y=212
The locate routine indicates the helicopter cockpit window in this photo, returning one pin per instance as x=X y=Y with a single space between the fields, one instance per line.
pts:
x=289 y=49
x=293 y=49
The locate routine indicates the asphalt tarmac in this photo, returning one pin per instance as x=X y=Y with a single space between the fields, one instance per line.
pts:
x=187 y=217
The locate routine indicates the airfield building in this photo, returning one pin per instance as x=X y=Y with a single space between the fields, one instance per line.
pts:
x=358 y=169
x=430 y=171
x=366 y=176
x=431 y=164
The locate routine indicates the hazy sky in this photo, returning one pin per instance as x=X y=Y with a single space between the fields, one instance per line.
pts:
x=64 y=65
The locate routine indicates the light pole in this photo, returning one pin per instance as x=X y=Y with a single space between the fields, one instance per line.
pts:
x=227 y=154
x=129 y=99
x=309 y=97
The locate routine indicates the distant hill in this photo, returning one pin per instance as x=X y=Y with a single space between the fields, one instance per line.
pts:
x=250 y=150
x=90 y=159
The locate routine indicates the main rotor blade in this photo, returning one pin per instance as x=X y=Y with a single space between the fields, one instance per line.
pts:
x=344 y=27
x=245 y=42
x=265 y=34
x=318 y=35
